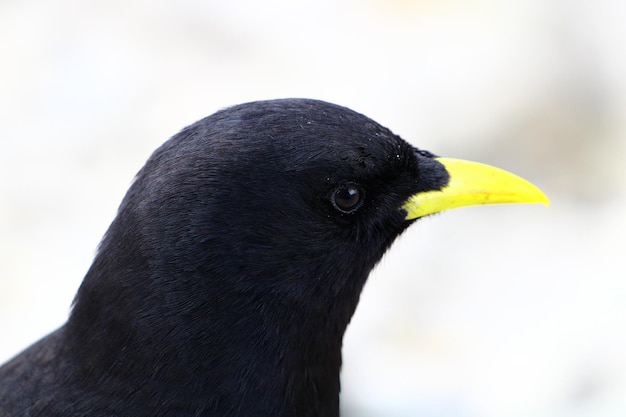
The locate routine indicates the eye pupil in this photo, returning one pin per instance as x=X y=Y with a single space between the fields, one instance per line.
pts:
x=347 y=198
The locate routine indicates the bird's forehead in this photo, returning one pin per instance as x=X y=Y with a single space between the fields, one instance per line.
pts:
x=350 y=150
x=303 y=135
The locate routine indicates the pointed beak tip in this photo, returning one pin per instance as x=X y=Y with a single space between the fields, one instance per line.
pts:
x=544 y=200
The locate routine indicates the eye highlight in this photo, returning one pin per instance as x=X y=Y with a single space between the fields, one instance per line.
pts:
x=347 y=198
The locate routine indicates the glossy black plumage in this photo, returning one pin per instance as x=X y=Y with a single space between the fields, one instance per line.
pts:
x=225 y=283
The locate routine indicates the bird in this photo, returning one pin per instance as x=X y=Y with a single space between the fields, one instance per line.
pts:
x=225 y=283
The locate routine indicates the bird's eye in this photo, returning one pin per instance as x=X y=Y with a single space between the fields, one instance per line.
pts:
x=347 y=198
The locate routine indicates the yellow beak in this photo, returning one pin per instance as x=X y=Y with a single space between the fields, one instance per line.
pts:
x=473 y=183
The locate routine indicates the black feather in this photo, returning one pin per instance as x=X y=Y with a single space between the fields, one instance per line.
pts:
x=225 y=283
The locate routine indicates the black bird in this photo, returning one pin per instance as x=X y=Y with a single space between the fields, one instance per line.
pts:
x=225 y=283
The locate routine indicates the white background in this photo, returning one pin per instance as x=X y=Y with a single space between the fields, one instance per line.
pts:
x=486 y=311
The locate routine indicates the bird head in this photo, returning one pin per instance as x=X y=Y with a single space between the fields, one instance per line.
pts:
x=238 y=255
x=293 y=199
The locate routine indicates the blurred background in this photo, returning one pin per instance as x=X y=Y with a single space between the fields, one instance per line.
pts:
x=515 y=311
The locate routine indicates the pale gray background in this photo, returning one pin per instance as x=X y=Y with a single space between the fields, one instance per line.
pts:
x=486 y=311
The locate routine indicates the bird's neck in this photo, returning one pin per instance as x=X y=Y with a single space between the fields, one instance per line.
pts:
x=272 y=361
x=244 y=359
x=297 y=369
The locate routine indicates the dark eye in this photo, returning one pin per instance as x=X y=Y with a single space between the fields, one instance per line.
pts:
x=347 y=198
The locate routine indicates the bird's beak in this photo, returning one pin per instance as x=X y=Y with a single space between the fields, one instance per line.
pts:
x=473 y=183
